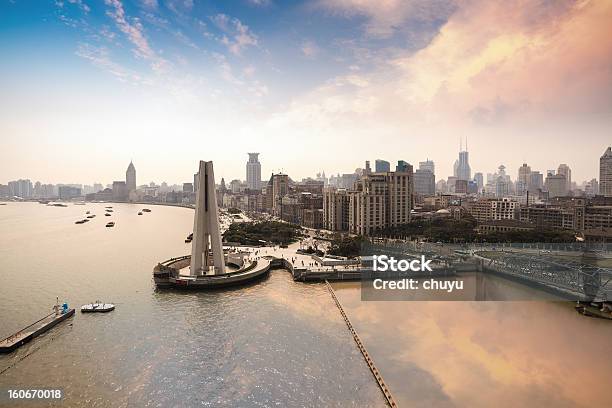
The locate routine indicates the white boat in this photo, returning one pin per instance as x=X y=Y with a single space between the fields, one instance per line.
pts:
x=97 y=307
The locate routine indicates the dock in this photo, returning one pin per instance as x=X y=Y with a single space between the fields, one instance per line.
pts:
x=379 y=379
x=35 y=329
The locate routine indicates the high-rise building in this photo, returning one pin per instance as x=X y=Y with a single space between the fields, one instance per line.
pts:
x=463 y=168
x=130 y=177
x=479 y=180
x=381 y=200
x=120 y=191
x=253 y=172
x=403 y=166
x=591 y=188
x=522 y=181
x=536 y=182
x=381 y=166
x=605 y=173
x=21 y=188
x=556 y=184
x=564 y=170
x=335 y=209
x=424 y=182
x=427 y=165
x=277 y=188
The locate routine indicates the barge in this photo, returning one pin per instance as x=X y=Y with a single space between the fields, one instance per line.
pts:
x=37 y=328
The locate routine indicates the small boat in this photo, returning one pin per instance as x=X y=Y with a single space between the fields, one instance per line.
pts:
x=97 y=307
x=146 y=210
x=109 y=211
x=87 y=212
x=594 y=310
x=107 y=215
x=110 y=224
x=91 y=216
x=110 y=206
x=37 y=328
x=139 y=212
x=189 y=238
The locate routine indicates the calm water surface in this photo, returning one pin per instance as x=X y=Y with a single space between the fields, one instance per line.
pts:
x=275 y=343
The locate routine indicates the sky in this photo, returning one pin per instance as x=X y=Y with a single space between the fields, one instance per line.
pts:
x=86 y=86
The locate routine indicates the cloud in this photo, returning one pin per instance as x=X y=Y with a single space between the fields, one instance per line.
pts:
x=133 y=30
x=100 y=57
x=259 y=3
x=386 y=17
x=151 y=4
x=237 y=36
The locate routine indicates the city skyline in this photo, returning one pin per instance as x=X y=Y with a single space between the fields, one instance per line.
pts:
x=101 y=83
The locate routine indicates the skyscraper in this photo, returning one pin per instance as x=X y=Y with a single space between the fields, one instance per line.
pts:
x=462 y=166
x=427 y=165
x=567 y=172
x=382 y=166
x=605 y=173
x=253 y=172
x=522 y=181
x=130 y=177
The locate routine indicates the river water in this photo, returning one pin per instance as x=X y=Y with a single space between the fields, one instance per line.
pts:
x=274 y=343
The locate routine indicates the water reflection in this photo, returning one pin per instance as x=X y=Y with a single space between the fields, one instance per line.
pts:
x=482 y=354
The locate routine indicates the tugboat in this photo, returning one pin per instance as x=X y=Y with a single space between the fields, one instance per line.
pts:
x=97 y=307
x=110 y=224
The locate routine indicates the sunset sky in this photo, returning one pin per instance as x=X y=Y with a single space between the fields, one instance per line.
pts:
x=321 y=85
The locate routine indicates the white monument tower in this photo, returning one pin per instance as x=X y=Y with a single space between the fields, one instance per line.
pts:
x=206 y=236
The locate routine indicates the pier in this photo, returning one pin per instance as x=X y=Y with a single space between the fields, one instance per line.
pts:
x=379 y=379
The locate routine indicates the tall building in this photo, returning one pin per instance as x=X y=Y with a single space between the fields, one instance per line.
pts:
x=120 y=191
x=522 y=181
x=565 y=171
x=253 y=172
x=479 y=180
x=21 y=188
x=427 y=165
x=130 y=177
x=381 y=200
x=461 y=168
x=277 y=188
x=403 y=166
x=556 y=184
x=536 y=182
x=605 y=173
x=424 y=182
x=381 y=166
x=335 y=209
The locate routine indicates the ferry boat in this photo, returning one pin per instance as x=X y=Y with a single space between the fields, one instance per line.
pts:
x=97 y=307
x=602 y=311
x=37 y=328
x=110 y=224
